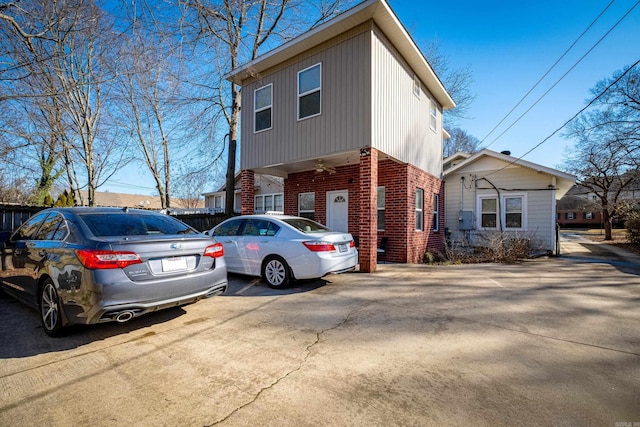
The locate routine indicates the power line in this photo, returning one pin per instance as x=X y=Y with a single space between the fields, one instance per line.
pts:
x=565 y=74
x=546 y=73
x=571 y=119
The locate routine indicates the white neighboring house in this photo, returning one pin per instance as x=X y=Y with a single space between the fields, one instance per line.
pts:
x=491 y=191
x=268 y=197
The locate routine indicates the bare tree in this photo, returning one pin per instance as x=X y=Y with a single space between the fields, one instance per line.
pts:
x=457 y=81
x=606 y=155
x=64 y=66
x=460 y=141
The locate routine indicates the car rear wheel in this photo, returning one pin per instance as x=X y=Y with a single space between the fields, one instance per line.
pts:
x=50 y=314
x=276 y=272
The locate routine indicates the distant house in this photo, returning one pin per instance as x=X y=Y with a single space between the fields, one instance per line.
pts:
x=350 y=115
x=268 y=195
x=494 y=192
x=139 y=201
x=581 y=207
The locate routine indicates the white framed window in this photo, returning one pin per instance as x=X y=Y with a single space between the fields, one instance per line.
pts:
x=588 y=215
x=419 y=209
x=436 y=213
x=511 y=212
x=309 y=91
x=381 y=209
x=218 y=202
x=433 y=115
x=416 y=86
x=262 y=107
x=307 y=205
x=268 y=203
x=488 y=212
x=571 y=215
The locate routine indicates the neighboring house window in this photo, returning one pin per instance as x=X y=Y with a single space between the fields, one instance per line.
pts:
x=513 y=212
x=433 y=116
x=588 y=215
x=307 y=205
x=309 y=82
x=268 y=202
x=570 y=215
x=381 y=194
x=218 y=202
x=488 y=212
x=419 y=209
x=436 y=214
x=416 y=86
x=594 y=197
x=262 y=103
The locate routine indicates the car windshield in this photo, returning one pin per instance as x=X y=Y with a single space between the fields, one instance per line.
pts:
x=306 y=225
x=123 y=224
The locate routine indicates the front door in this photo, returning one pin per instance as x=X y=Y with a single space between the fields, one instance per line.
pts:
x=338 y=210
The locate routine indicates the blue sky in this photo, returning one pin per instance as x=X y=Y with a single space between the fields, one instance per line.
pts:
x=510 y=45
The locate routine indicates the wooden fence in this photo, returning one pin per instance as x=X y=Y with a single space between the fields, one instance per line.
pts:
x=12 y=216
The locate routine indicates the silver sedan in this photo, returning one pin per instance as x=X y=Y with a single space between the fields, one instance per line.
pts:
x=281 y=248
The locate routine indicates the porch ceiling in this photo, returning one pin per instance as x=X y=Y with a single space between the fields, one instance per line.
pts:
x=329 y=160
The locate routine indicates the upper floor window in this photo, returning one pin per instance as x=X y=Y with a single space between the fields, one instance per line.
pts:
x=416 y=86
x=262 y=107
x=419 y=209
x=309 y=85
x=433 y=116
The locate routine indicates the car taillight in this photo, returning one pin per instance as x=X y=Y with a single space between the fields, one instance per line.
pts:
x=319 y=246
x=98 y=260
x=352 y=244
x=214 y=251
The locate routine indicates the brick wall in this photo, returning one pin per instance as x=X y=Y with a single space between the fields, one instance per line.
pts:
x=405 y=244
x=247 y=184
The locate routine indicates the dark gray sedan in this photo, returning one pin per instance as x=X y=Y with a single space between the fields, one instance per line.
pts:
x=93 y=265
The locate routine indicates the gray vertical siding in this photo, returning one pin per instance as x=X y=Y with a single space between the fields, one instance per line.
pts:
x=400 y=119
x=346 y=98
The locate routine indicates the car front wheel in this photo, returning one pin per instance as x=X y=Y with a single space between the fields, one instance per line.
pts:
x=50 y=314
x=276 y=272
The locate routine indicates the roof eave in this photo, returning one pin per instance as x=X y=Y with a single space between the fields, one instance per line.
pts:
x=377 y=10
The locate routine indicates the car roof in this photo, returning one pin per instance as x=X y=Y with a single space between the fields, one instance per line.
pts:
x=267 y=216
x=103 y=210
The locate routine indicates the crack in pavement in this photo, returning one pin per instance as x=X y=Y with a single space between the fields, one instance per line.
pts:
x=296 y=369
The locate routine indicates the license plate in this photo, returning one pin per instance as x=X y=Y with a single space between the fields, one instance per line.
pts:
x=343 y=248
x=174 y=264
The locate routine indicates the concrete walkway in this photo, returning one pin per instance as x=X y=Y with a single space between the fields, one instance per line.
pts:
x=576 y=247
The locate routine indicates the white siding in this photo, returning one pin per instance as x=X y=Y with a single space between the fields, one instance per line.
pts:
x=513 y=179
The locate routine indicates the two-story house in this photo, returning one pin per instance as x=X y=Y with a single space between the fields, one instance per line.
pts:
x=350 y=115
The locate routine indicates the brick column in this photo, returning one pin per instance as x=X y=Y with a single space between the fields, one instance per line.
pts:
x=368 y=215
x=247 y=183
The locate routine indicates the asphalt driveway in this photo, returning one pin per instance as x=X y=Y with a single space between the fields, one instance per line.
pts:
x=546 y=342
